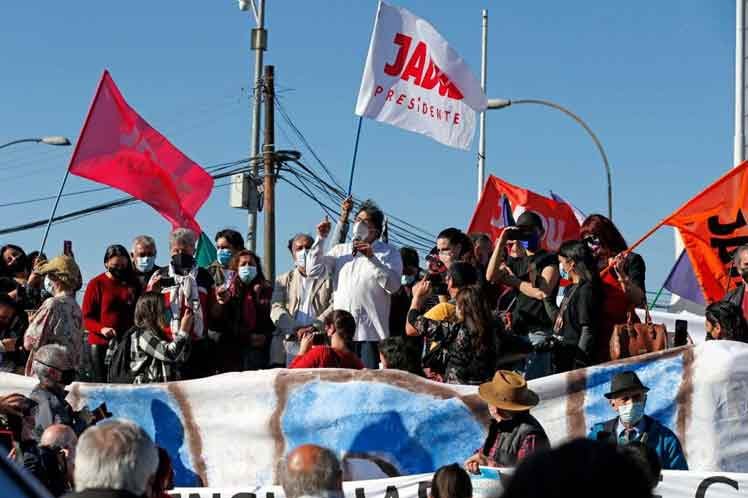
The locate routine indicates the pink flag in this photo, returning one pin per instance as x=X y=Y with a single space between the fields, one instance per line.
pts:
x=118 y=148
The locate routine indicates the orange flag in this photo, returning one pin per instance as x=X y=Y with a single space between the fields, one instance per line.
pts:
x=712 y=225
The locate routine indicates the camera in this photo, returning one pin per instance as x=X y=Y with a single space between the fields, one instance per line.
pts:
x=520 y=233
x=435 y=273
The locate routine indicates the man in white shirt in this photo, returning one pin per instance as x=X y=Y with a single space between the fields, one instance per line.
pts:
x=365 y=271
x=299 y=301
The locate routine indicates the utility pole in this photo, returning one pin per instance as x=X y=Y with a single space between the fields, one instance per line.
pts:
x=268 y=153
x=243 y=188
x=482 y=122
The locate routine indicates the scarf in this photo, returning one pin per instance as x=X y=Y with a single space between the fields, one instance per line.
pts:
x=185 y=293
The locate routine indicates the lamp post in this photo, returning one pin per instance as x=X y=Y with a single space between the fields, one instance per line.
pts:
x=53 y=140
x=503 y=103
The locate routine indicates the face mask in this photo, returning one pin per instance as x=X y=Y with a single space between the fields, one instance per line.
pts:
x=247 y=273
x=631 y=413
x=300 y=259
x=120 y=274
x=48 y=286
x=360 y=231
x=224 y=256
x=182 y=263
x=145 y=264
x=407 y=279
x=563 y=272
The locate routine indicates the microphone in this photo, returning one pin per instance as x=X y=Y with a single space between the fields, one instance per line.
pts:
x=354 y=251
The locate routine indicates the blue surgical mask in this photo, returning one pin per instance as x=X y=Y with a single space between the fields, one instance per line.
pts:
x=247 y=273
x=48 y=286
x=407 y=279
x=631 y=413
x=145 y=264
x=224 y=256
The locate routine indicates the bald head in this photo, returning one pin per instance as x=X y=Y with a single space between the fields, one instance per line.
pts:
x=312 y=471
x=59 y=435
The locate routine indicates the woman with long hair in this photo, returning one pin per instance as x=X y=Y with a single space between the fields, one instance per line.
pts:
x=451 y=481
x=725 y=321
x=246 y=327
x=468 y=344
x=623 y=285
x=155 y=358
x=577 y=320
x=108 y=305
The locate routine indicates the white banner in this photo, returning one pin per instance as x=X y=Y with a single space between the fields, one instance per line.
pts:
x=674 y=484
x=414 y=80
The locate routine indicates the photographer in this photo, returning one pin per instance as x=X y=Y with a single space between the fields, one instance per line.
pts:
x=519 y=262
x=53 y=368
x=53 y=464
x=315 y=353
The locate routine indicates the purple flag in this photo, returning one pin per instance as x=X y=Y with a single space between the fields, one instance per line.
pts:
x=682 y=281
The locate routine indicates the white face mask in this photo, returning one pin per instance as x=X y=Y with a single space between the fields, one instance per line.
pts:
x=300 y=258
x=360 y=231
x=145 y=264
x=48 y=285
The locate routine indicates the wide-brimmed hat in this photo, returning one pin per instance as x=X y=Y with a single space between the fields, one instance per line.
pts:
x=509 y=391
x=64 y=269
x=625 y=381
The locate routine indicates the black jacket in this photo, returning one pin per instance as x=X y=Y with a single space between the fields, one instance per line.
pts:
x=735 y=296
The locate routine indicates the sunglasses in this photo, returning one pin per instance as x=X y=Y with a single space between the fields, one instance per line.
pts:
x=592 y=240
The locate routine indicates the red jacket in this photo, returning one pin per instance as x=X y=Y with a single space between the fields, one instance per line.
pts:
x=327 y=357
x=108 y=303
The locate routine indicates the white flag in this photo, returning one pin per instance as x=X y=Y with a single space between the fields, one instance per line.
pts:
x=413 y=79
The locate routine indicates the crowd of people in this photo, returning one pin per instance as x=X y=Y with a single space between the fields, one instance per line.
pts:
x=474 y=312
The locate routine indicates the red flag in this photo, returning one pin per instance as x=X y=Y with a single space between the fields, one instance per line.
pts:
x=712 y=226
x=118 y=148
x=558 y=218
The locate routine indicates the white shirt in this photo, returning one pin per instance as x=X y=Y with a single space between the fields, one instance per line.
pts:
x=304 y=315
x=361 y=285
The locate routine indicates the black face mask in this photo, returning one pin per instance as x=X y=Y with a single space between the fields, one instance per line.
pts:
x=121 y=274
x=182 y=263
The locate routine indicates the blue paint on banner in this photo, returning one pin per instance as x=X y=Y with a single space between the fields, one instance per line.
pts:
x=158 y=414
x=416 y=433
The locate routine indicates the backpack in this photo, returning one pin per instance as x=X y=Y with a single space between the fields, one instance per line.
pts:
x=119 y=355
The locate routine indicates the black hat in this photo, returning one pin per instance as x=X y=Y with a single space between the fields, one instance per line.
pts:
x=530 y=219
x=624 y=381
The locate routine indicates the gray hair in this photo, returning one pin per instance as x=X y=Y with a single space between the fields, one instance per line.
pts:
x=117 y=455
x=143 y=240
x=740 y=250
x=298 y=236
x=323 y=479
x=182 y=236
x=49 y=357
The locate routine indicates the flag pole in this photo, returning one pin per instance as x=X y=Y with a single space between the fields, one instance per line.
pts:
x=104 y=76
x=482 y=122
x=355 y=153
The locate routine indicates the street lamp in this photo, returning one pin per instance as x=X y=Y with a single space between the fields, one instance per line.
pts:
x=53 y=140
x=503 y=103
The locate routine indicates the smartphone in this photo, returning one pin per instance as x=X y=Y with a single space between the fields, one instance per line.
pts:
x=67 y=248
x=681 y=333
x=6 y=439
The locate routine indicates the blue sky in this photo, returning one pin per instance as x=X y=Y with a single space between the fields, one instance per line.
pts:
x=653 y=79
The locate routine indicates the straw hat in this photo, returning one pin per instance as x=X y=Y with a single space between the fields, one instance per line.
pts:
x=509 y=391
x=64 y=269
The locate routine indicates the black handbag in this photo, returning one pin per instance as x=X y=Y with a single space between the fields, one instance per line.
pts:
x=437 y=356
